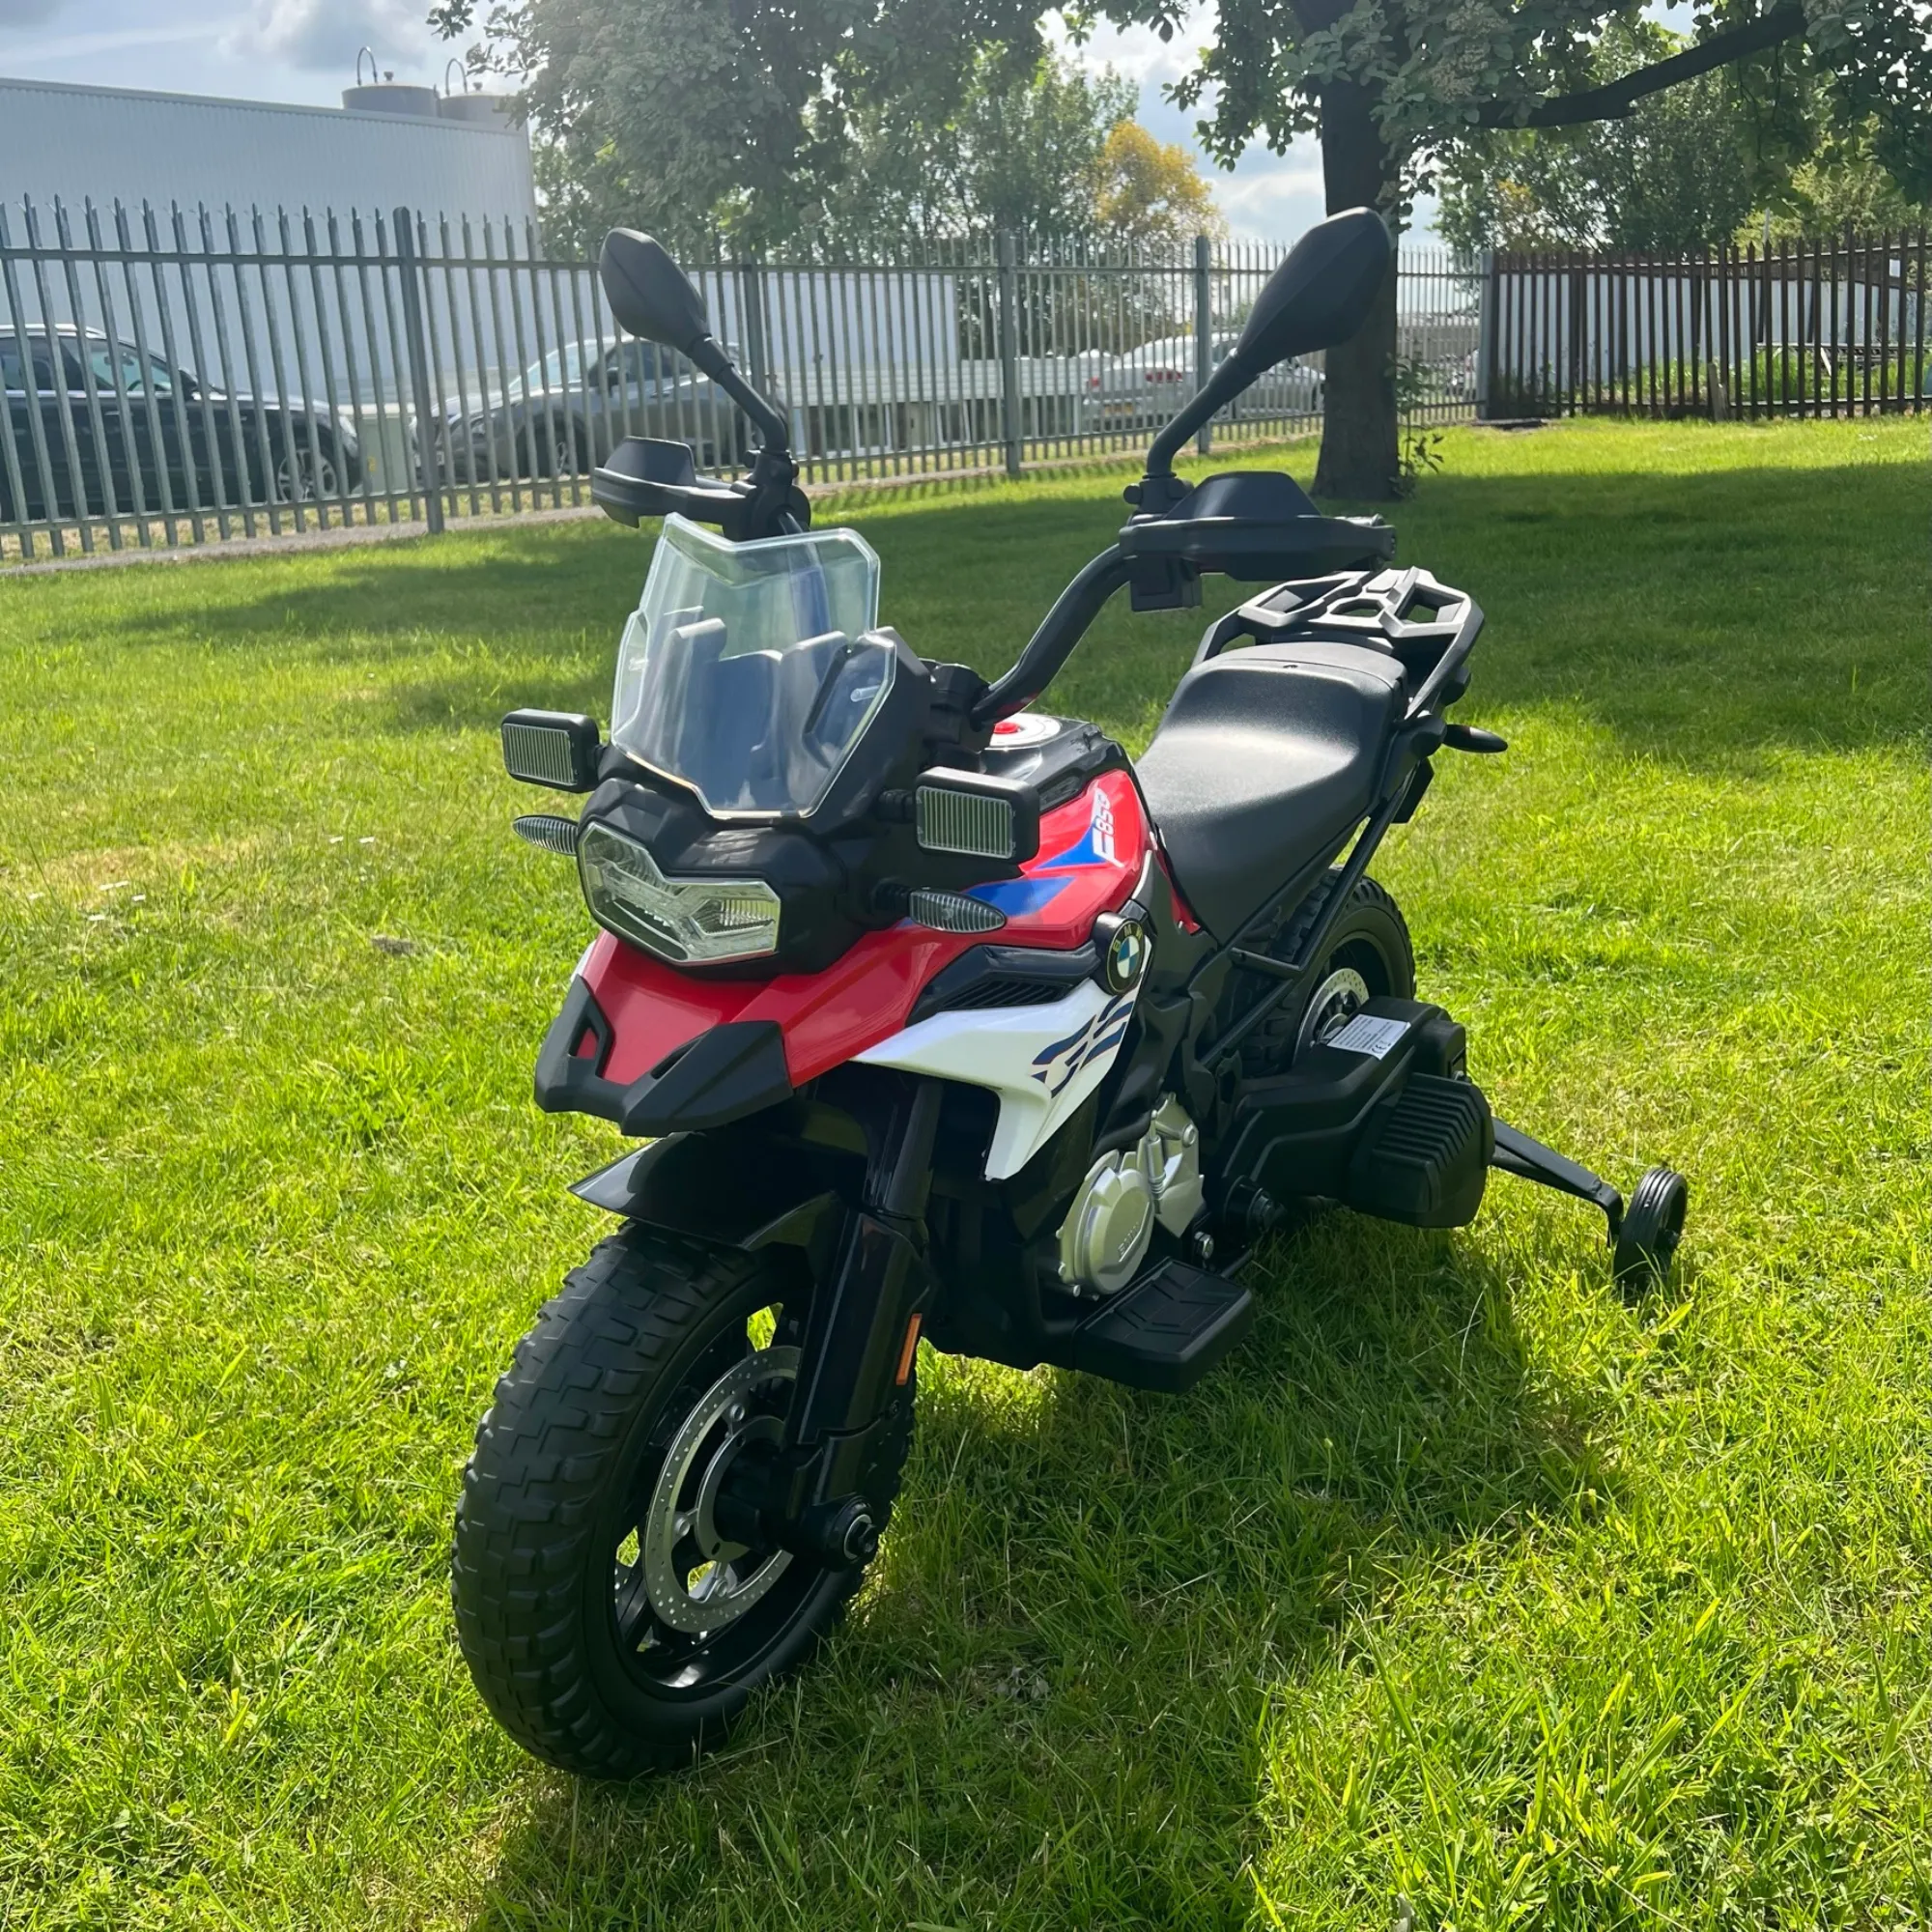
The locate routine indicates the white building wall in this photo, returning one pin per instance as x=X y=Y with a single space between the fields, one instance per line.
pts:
x=189 y=165
x=112 y=143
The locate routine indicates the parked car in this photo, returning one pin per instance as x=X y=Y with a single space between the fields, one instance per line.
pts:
x=566 y=413
x=1141 y=387
x=175 y=443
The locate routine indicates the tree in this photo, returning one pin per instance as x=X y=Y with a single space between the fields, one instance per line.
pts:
x=990 y=137
x=1388 y=85
x=1150 y=193
x=1674 y=176
x=758 y=120
x=1690 y=170
x=740 y=105
x=1843 y=185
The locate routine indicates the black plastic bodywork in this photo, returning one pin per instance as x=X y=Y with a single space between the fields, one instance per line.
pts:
x=725 y=1074
x=648 y=476
x=1162 y=1332
x=713 y=1187
x=1249 y=524
x=843 y=871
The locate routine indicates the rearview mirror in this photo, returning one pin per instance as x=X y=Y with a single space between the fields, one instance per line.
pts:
x=652 y=296
x=648 y=293
x=1322 y=295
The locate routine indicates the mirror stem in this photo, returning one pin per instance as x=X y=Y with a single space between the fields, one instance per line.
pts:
x=1221 y=389
x=709 y=355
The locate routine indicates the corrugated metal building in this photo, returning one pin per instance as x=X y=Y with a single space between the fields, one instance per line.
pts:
x=117 y=143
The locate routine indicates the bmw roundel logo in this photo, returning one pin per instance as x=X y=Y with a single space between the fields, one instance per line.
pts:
x=1126 y=955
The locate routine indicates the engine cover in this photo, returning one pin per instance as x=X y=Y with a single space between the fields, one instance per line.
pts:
x=1107 y=1230
x=1105 y=1235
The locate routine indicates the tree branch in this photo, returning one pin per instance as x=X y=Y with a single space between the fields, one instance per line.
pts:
x=1615 y=99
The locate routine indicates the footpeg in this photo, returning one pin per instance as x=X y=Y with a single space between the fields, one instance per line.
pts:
x=1165 y=1332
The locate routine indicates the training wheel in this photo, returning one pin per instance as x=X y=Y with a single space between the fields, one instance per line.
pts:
x=1652 y=1226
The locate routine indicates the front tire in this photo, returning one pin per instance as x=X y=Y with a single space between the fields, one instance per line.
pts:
x=307 y=474
x=588 y=1563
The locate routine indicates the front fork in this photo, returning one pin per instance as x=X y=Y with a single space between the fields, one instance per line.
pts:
x=856 y=1356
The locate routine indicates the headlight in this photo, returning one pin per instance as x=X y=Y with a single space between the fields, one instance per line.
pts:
x=694 y=921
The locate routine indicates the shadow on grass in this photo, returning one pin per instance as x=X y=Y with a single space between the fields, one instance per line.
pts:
x=1700 y=616
x=1086 y=1603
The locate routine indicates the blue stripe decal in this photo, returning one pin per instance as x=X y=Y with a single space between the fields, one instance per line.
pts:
x=1017 y=897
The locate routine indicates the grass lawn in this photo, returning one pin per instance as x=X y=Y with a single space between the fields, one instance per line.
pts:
x=1464 y=1582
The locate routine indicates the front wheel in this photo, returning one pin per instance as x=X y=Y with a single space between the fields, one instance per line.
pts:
x=307 y=474
x=612 y=1623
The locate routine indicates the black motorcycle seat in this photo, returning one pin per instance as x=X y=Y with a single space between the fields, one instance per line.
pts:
x=1264 y=761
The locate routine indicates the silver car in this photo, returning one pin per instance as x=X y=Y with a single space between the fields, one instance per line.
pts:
x=1140 y=389
x=565 y=414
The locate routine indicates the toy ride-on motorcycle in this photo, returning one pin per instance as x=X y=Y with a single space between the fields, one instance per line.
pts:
x=943 y=1020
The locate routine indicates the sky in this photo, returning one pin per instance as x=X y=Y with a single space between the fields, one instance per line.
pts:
x=305 y=50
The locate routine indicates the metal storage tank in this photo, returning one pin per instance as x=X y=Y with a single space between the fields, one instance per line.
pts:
x=477 y=110
x=391 y=96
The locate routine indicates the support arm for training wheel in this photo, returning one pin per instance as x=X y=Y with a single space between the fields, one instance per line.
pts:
x=1519 y=1155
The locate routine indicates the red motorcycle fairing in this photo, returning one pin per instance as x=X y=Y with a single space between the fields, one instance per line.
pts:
x=1092 y=852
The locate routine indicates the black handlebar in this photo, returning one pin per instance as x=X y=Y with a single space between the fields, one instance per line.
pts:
x=1251 y=547
x=1052 y=645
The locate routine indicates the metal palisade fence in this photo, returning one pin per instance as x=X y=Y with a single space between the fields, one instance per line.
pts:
x=1829 y=327
x=184 y=377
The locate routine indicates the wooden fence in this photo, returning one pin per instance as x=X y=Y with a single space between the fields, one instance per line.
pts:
x=1809 y=328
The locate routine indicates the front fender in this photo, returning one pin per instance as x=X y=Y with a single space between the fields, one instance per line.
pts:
x=716 y=1189
x=722 y=1074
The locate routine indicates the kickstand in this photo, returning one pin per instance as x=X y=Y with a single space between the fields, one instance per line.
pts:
x=1517 y=1154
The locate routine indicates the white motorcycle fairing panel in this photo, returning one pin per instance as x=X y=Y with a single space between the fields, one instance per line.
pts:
x=1040 y=1060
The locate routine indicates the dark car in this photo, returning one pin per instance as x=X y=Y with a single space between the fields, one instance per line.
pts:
x=566 y=413
x=163 y=441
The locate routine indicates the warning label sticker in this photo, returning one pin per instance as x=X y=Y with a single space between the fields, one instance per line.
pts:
x=1366 y=1034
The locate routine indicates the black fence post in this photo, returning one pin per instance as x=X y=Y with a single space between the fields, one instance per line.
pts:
x=1011 y=428
x=416 y=347
x=1486 y=336
x=751 y=304
x=1204 y=333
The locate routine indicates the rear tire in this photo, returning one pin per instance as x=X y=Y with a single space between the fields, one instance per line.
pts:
x=1368 y=955
x=580 y=1567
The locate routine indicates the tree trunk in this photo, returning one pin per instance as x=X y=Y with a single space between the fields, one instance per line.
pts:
x=1359 y=458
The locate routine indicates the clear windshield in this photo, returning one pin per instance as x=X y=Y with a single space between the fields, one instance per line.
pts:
x=745 y=671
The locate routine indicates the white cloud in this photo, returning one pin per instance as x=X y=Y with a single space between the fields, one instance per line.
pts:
x=111 y=40
x=1274 y=202
x=27 y=12
x=326 y=35
x=1288 y=178
x=1136 y=53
